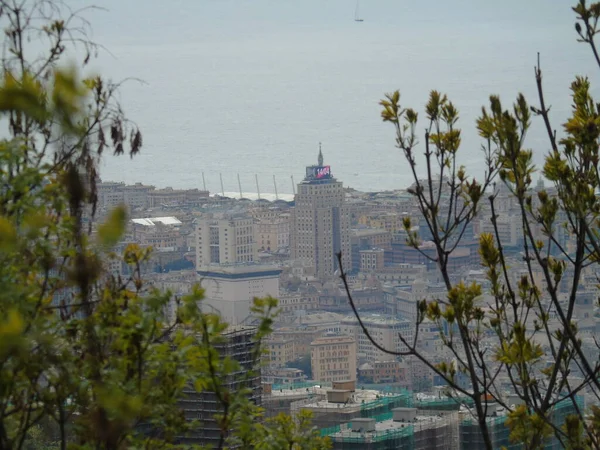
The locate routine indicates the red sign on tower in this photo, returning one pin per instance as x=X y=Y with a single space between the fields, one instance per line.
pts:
x=323 y=172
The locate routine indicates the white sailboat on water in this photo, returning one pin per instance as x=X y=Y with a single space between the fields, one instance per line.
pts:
x=357 y=12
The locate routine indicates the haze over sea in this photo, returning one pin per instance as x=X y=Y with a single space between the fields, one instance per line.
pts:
x=252 y=87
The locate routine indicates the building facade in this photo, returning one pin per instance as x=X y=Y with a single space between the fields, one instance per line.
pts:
x=333 y=358
x=298 y=301
x=239 y=345
x=279 y=352
x=169 y=196
x=390 y=371
x=320 y=222
x=230 y=289
x=371 y=260
x=385 y=330
x=228 y=239
x=273 y=233
x=111 y=194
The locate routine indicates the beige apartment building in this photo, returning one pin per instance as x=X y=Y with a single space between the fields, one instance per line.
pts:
x=320 y=222
x=279 y=352
x=136 y=195
x=111 y=194
x=404 y=299
x=333 y=358
x=508 y=227
x=385 y=330
x=298 y=301
x=307 y=328
x=371 y=237
x=170 y=196
x=158 y=232
x=371 y=260
x=389 y=221
x=273 y=233
x=401 y=273
x=388 y=371
x=228 y=239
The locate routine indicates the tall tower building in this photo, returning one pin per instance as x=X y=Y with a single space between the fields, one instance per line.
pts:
x=320 y=222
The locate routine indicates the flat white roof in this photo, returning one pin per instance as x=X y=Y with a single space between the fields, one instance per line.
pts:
x=152 y=221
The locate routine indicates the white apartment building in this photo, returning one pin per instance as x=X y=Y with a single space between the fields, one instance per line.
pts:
x=509 y=228
x=385 y=330
x=402 y=300
x=230 y=289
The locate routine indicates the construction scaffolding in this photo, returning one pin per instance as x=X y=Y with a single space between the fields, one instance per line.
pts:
x=360 y=404
x=471 y=437
x=398 y=438
x=437 y=430
x=299 y=385
x=433 y=432
x=560 y=412
x=291 y=400
x=385 y=404
x=443 y=404
x=331 y=430
x=387 y=389
x=237 y=344
x=379 y=427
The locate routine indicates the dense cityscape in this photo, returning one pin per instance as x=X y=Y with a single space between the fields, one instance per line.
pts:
x=441 y=295
x=318 y=358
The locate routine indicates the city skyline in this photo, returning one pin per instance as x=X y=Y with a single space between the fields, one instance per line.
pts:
x=306 y=225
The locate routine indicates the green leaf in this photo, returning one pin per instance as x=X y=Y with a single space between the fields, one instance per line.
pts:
x=113 y=229
x=8 y=235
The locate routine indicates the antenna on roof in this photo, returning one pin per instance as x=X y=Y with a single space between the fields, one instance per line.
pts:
x=293 y=185
x=203 y=181
x=275 y=185
x=257 y=188
x=320 y=155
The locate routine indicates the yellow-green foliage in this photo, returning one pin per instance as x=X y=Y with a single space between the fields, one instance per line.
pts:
x=525 y=330
x=87 y=358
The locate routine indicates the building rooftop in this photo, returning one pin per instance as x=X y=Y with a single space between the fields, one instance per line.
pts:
x=333 y=338
x=318 y=318
x=153 y=221
x=363 y=232
x=430 y=287
x=307 y=388
x=357 y=399
x=376 y=319
x=319 y=173
x=242 y=268
x=389 y=428
x=238 y=329
x=288 y=370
